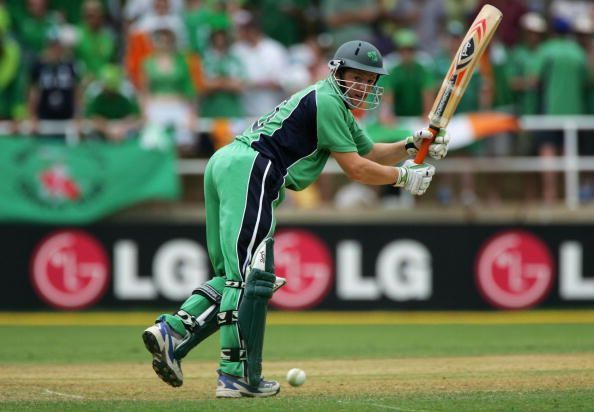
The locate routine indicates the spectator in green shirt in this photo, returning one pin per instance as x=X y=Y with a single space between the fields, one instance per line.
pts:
x=523 y=65
x=409 y=84
x=522 y=74
x=12 y=77
x=224 y=79
x=32 y=27
x=563 y=76
x=563 y=72
x=111 y=106
x=95 y=45
x=201 y=19
x=168 y=94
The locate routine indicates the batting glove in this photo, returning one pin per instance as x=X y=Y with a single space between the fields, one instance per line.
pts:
x=415 y=178
x=438 y=148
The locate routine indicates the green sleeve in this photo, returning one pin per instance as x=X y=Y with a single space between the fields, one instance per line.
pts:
x=337 y=129
x=333 y=125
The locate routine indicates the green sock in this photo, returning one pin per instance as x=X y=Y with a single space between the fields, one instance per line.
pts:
x=175 y=323
x=184 y=320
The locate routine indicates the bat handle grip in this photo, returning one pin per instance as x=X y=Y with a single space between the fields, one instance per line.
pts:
x=424 y=149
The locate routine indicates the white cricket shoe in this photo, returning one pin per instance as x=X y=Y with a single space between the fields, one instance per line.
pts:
x=233 y=387
x=160 y=340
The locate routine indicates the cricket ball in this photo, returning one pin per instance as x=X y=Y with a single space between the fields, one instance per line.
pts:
x=296 y=377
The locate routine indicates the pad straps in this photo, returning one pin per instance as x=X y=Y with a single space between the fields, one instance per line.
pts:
x=234 y=354
x=234 y=284
x=228 y=317
x=208 y=292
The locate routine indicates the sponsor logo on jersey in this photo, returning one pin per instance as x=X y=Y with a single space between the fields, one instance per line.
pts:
x=70 y=270
x=305 y=261
x=514 y=270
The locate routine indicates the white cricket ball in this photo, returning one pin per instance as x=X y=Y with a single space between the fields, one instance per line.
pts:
x=296 y=377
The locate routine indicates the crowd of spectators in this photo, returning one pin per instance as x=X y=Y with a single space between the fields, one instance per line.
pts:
x=123 y=65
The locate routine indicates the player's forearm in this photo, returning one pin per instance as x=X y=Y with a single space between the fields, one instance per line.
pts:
x=371 y=173
x=387 y=153
x=367 y=172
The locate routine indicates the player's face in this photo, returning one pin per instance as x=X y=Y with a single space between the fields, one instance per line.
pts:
x=359 y=82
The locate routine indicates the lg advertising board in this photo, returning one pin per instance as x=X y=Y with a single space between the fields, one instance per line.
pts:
x=328 y=267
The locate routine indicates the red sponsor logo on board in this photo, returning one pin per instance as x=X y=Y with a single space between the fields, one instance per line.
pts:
x=305 y=261
x=70 y=270
x=514 y=270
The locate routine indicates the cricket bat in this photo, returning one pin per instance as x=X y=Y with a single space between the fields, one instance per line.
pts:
x=465 y=61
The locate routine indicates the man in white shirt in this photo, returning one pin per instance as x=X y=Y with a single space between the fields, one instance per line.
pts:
x=265 y=61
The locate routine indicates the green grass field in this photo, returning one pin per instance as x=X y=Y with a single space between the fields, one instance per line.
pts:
x=411 y=362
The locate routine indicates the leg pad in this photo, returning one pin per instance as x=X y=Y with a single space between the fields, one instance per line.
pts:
x=252 y=314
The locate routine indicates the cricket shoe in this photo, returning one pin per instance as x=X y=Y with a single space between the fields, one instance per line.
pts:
x=160 y=340
x=233 y=387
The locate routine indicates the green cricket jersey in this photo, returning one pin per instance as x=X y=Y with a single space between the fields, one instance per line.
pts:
x=563 y=69
x=175 y=81
x=221 y=103
x=523 y=63
x=94 y=49
x=299 y=134
x=408 y=83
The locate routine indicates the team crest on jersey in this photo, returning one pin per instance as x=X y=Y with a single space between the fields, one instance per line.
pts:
x=372 y=56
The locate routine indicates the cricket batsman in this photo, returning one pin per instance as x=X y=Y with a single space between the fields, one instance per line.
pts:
x=244 y=183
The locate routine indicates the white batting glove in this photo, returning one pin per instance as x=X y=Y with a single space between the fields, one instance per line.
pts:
x=415 y=178
x=438 y=148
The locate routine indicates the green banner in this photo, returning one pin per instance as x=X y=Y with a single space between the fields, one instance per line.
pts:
x=51 y=182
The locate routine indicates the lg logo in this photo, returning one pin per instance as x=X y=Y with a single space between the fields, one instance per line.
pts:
x=305 y=261
x=515 y=270
x=70 y=270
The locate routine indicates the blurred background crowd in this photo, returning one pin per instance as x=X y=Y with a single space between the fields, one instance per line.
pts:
x=193 y=66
